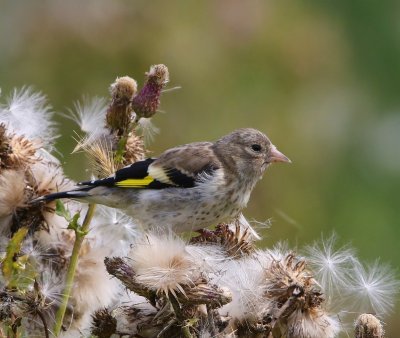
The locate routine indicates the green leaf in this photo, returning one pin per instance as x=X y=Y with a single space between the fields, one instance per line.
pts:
x=73 y=222
x=11 y=266
x=62 y=211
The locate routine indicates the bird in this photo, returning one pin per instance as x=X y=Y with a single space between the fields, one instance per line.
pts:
x=188 y=187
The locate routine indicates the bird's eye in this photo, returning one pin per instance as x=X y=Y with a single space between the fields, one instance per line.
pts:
x=256 y=147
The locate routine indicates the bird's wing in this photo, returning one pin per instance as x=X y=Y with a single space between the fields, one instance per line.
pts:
x=178 y=167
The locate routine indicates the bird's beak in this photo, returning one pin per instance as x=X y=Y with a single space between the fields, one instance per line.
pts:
x=276 y=156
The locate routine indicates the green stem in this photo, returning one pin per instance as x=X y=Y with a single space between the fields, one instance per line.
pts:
x=79 y=237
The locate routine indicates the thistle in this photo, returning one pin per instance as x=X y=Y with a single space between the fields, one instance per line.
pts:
x=146 y=102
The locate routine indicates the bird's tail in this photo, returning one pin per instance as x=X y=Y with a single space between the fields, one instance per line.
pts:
x=73 y=194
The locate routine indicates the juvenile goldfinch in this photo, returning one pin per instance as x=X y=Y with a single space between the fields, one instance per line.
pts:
x=189 y=187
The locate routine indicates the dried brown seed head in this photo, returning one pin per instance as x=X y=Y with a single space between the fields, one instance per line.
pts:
x=289 y=277
x=123 y=89
x=368 y=326
x=104 y=325
x=134 y=149
x=119 y=113
x=23 y=153
x=236 y=242
x=100 y=154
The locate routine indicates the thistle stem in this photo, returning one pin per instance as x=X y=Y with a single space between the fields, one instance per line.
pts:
x=73 y=263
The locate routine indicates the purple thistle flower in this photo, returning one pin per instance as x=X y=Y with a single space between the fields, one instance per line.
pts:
x=145 y=104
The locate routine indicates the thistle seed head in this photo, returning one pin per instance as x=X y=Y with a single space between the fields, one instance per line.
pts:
x=16 y=152
x=104 y=325
x=162 y=264
x=23 y=152
x=123 y=89
x=236 y=242
x=119 y=113
x=134 y=149
x=290 y=278
x=368 y=326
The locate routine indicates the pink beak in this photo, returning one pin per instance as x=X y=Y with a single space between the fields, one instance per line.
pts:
x=276 y=156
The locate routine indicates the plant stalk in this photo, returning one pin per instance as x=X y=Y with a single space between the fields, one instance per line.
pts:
x=73 y=263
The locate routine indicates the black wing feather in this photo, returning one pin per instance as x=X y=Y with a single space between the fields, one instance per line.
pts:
x=182 y=180
x=139 y=170
x=136 y=170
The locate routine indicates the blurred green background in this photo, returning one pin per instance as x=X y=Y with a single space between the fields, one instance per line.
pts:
x=321 y=78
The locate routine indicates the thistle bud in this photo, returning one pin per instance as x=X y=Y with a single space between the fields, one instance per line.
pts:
x=146 y=103
x=119 y=112
x=204 y=293
x=368 y=326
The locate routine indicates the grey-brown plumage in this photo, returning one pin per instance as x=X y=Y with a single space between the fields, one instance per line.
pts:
x=189 y=187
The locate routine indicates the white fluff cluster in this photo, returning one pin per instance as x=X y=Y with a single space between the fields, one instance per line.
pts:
x=330 y=265
x=89 y=116
x=349 y=284
x=306 y=324
x=162 y=263
x=373 y=288
x=245 y=278
x=27 y=113
x=113 y=230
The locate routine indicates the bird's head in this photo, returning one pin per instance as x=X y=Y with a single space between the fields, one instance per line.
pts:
x=248 y=151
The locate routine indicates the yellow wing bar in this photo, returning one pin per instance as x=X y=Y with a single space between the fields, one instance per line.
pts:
x=135 y=182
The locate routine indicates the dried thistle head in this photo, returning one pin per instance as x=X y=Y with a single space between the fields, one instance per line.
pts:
x=368 y=326
x=34 y=301
x=7 y=305
x=123 y=89
x=162 y=264
x=119 y=113
x=236 y=242
x=21 y=187
x=134 y=149
x=289 y=278
x=146 y=102
x=16 y=152
x=202 y=292
x=104 y=325
x=100 y=155
x=30 y=216
x=23 y=152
